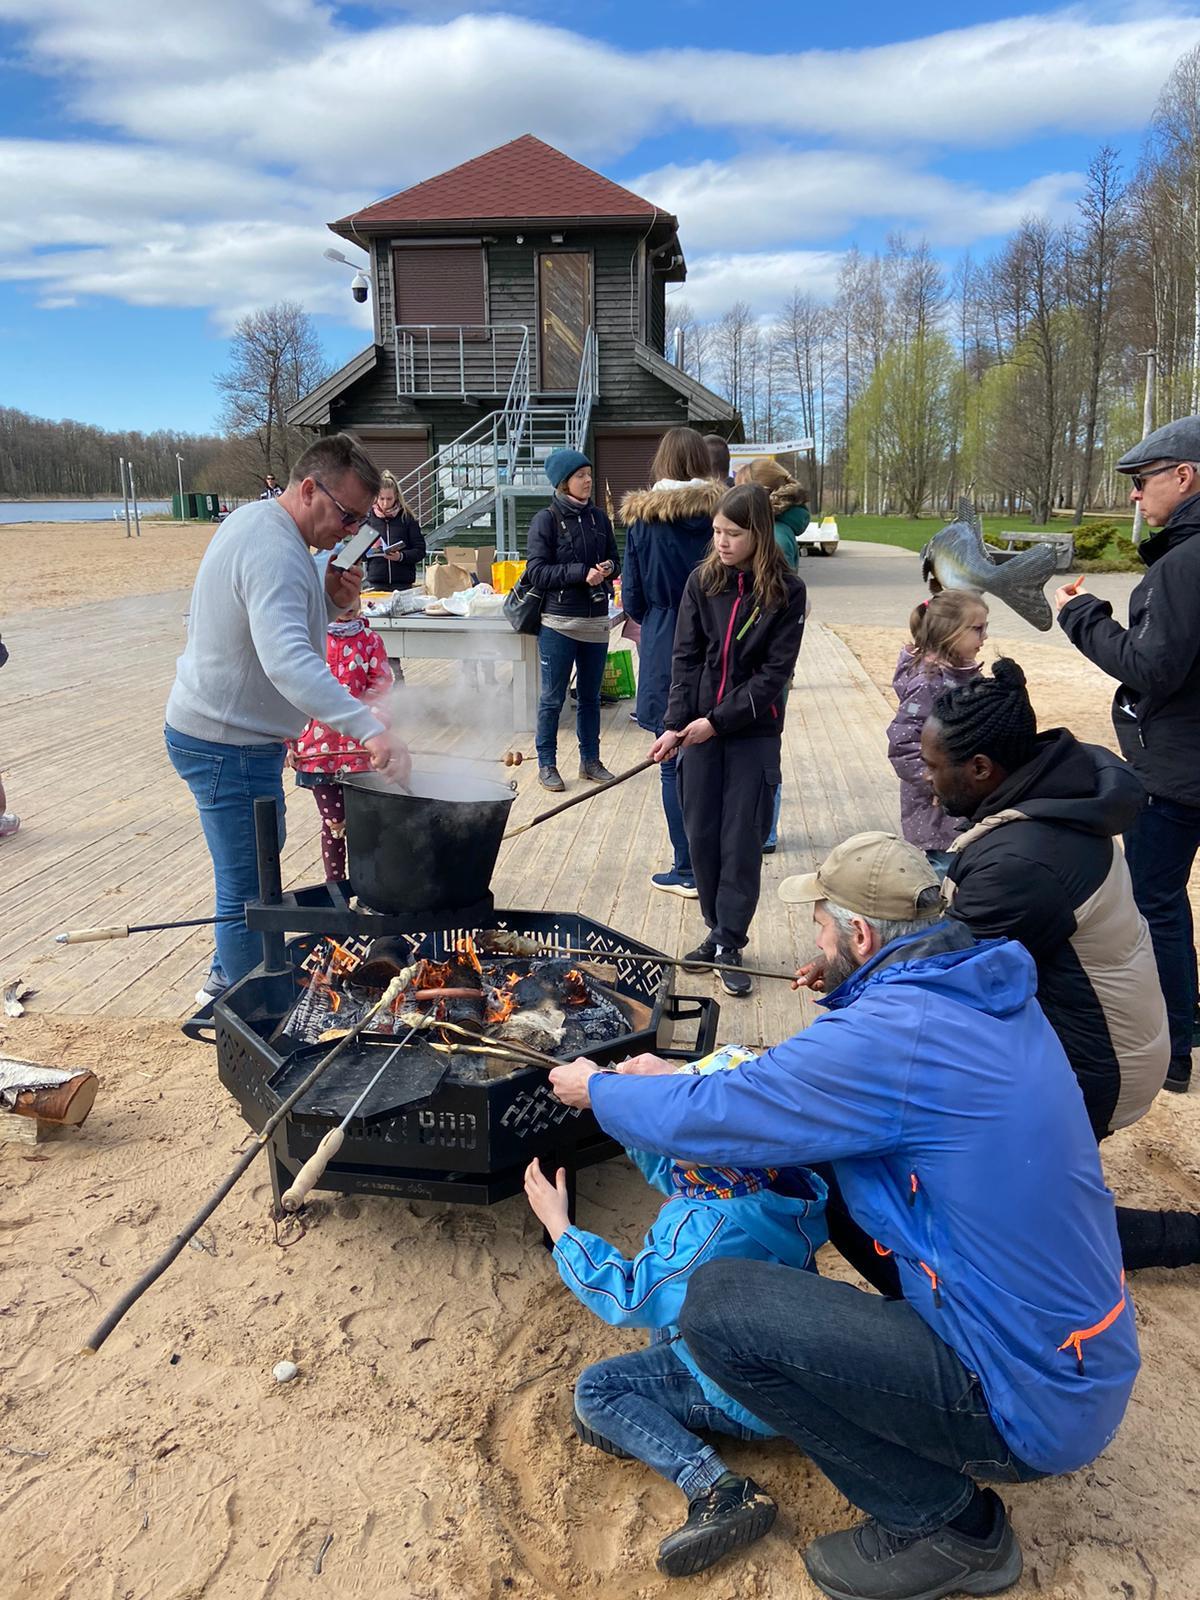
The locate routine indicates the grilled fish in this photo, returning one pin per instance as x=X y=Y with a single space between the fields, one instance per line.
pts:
x=957 y=558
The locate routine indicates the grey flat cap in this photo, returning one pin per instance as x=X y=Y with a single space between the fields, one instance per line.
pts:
x=1177 y=441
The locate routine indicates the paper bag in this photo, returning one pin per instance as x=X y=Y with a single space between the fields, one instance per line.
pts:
x=443 y=580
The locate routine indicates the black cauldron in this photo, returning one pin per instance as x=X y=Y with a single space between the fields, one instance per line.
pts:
x=431 y=850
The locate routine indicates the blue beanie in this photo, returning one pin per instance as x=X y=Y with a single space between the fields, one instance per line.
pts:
x=562 y=464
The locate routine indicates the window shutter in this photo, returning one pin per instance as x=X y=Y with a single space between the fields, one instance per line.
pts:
x=623 y=463
x=441 y=283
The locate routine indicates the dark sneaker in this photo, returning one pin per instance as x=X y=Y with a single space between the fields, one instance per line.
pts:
x=597 y=1440
x=701 y=957
x=871 y=1563
x=676 y=883
x=770 y=847
x=1179 y=1074
x=549 y=778
x=596 y=771
x=739 y=984
x=733 y=1513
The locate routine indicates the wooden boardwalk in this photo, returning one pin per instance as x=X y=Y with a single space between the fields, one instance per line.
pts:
x=109 y=833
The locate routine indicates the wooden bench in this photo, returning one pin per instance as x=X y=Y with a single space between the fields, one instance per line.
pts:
x=1064 y=544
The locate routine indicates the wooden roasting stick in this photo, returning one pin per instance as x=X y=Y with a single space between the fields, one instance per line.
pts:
x=523 y=945
x=123 y=930
x=544 y=816
x=394 y=989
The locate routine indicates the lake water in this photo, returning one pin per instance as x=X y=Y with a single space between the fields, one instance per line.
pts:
x=75 y=510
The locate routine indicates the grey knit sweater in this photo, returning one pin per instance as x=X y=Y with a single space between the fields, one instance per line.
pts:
x=253 y=669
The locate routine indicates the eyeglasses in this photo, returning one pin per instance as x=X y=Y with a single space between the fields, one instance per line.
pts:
x=1138 y=479
x=350 y=519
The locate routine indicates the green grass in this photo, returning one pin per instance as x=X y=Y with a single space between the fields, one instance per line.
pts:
x=913 y=534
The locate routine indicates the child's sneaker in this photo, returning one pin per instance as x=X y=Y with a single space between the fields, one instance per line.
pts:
x=733 y=1513
x=597 y=1440
x=8 y=824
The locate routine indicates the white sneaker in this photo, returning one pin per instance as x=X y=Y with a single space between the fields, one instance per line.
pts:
x=205 y=997
x=8 y=824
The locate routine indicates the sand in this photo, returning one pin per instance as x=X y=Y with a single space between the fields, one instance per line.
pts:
x=69 y=563
x=429 y=1429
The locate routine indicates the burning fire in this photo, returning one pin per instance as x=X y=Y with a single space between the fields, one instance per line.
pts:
x=575 y=989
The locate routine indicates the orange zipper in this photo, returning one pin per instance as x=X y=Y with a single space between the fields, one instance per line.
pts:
x=1074 y=1341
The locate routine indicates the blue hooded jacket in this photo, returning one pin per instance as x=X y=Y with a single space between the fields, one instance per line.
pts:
x=783 y=1224
x=960 y=1140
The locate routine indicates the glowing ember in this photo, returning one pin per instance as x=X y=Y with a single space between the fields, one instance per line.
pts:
x=575 y=989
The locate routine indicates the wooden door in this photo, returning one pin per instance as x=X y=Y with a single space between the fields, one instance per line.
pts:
x=564 y=317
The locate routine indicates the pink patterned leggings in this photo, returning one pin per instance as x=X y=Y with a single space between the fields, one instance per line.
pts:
x=331 y=803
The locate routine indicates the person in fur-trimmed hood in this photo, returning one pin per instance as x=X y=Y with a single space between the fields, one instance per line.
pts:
x=669 y=531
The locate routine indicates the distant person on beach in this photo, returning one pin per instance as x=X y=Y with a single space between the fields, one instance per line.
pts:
x=271 y=490
x=254 y=671
x=652 y=1403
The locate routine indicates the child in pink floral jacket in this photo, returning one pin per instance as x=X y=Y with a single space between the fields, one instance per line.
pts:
x=358 y=660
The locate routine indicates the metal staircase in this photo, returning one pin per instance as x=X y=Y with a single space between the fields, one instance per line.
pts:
x=478 y=476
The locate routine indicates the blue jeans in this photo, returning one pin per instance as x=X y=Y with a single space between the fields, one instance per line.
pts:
x=1160 y=848
x=859 y=1383
x=668 y=772
x=940 y=861
x=776 y=807
x=649 y=1403
x=225 y=780
x=558 y=653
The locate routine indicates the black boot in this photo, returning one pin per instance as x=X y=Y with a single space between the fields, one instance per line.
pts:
x=733 y=1513
x=1179 y=1074
x=739 y=984
x=597 y=1440
x=870 y=1562
x=549 y=778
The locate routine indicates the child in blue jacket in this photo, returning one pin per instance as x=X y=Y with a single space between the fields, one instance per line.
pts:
x=648 y=1404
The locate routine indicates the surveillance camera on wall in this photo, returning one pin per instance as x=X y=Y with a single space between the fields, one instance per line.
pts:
x=358 y=287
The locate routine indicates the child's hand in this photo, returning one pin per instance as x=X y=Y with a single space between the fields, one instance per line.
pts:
x=698 y=732
x=547 y=1201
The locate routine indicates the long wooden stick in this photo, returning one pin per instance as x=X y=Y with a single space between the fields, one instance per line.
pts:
x=155 y=1271
x=577 y=800
x=601 y=956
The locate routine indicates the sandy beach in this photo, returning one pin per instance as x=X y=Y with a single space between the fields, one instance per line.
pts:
x=425 y=1452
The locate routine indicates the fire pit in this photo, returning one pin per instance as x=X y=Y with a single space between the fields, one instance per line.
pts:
x=462 y=1127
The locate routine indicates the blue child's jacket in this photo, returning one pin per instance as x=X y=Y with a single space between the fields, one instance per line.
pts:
x=960 y=1140
x=772 y=1225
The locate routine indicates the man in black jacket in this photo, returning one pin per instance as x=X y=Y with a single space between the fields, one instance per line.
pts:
x=1156 y=709
x=1037 y=862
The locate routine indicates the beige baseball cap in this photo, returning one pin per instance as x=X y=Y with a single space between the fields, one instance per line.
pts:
x=872 y=874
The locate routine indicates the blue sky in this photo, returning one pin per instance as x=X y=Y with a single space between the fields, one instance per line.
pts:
x=164 y=170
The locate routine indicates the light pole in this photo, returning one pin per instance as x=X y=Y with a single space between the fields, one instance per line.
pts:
x=179 y=470
x=1147 y=427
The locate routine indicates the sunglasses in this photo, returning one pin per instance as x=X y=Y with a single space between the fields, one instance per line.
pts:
x=1138 y=479
x=350 y=519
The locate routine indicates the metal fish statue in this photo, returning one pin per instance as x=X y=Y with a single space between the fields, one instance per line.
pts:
x=957 y=558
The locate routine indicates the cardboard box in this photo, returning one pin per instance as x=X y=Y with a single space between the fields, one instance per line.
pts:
x=443 y=580
x=473 y=558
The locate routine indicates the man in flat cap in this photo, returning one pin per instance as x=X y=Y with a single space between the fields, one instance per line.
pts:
x=938 y=1095
x=1156 y=709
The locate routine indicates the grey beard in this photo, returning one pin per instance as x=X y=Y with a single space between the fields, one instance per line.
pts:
x=842 y=966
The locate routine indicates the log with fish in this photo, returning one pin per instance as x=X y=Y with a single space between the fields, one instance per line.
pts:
x=957 y=558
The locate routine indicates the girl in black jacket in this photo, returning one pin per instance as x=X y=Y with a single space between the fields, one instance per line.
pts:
x=572 y=560
x=740 y=625
x=392 y=559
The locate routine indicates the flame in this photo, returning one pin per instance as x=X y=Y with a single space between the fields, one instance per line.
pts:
x=500 y=1005
x=575 y=989
x=466 y=949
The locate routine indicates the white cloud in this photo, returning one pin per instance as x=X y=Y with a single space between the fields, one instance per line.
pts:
x=763 y=279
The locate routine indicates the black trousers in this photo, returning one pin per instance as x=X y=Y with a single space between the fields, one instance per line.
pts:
x=726 y=788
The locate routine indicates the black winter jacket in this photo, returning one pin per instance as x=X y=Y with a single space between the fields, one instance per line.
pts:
x=398 y=571
x=1156 y=711
x=732 y=662
x=565 y=543
x=1037 y=863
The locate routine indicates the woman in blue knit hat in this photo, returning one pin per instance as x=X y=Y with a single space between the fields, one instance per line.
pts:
x=572 y=560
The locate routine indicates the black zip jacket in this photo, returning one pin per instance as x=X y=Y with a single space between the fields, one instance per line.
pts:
x=732 y=661
x=1156 y=711
x=1037 y=863
x=565 y=543
x=398 y=571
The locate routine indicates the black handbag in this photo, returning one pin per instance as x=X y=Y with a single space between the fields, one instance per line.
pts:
x=523 y=607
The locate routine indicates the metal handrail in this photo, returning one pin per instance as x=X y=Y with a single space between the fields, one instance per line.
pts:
x=457 y=357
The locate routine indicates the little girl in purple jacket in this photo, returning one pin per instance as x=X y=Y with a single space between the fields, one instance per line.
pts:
x=947 y=635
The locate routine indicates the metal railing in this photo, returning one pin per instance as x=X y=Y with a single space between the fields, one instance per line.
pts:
x=444 y=358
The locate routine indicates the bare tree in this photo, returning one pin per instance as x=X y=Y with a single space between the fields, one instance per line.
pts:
x=1176 y=130
x=275 y=360
x=1103 y=242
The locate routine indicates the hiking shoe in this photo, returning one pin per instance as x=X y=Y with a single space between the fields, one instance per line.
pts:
x=1179 y=1074
x=676 y=883
x=733 y=1513
x=701 y=957
x=596 y=771
x=770 y=847
x=8 y=824
x=870 y=1562
x=549 y=778
x=739 y=984
x=597 y=1440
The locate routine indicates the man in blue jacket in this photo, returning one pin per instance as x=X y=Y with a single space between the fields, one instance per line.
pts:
x=944 y=1105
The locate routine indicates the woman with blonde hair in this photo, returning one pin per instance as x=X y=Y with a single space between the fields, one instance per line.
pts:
x=739 y=630
x=392 y=559
x=669 y=531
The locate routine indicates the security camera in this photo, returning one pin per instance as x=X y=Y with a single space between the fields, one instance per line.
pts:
x=358 y=287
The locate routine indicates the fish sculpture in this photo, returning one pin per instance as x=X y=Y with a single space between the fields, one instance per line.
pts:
x=957 y=558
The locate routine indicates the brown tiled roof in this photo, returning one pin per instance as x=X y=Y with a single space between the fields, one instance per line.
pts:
x=522 y=181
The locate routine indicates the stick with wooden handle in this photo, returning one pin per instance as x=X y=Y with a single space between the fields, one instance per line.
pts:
x=578 y=799
x=123 y=930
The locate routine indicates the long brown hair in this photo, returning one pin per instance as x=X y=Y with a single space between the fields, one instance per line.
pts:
x=749 y=506
x=938 y=624
x=784 y=490
x=681 y=455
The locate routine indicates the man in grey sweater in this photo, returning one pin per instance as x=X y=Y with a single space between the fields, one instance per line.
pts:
x=253 y=671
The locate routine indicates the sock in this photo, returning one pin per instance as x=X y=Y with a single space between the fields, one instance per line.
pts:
x=977 y=1519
